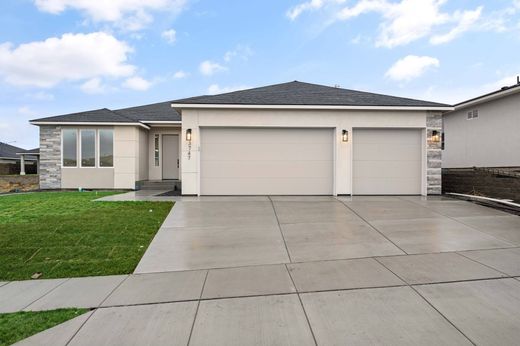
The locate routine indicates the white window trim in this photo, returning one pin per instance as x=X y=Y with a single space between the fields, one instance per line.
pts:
x=95 y=149
x=98 y=149
x=77 y=151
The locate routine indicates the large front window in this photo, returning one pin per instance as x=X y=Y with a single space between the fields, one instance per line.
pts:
x=88 y=148
x=106 y=148
x=70 y=148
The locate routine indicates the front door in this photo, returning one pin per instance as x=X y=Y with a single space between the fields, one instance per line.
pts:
x=170 y=157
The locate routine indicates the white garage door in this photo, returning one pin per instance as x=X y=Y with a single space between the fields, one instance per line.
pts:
x=266 y=161
x=387 y=161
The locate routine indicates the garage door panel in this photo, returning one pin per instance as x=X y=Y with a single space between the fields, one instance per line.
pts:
x=390 y=186
x=268 y=169
x=266 y=151
x=387 y=161
x=388 y=152
x=258 y=161
x=406 y=136
x=266 y=186
x=238 y=135
x=386 y=169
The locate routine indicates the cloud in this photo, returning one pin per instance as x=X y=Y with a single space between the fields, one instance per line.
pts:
x=297 y=10
x=93 y=86
x=216 y=89
x=71 y=57
x=411 y=67
x=242 y=52
x=209 y=68
x=137 y=83
x=169 y=35
x=129 y=15
x=180 y=74
x=403 y=21
x=467 y=20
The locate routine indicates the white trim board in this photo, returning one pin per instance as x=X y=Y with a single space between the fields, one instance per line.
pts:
x=86 y=123
x=310 y=107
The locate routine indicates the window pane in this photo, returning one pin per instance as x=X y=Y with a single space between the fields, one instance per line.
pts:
x=70 y=148
x=88 y=148
x=156 y=150
x=106 y=148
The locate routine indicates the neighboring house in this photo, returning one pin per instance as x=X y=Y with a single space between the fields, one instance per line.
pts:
x=286 y=139
x=484 y=131
x=11 y=157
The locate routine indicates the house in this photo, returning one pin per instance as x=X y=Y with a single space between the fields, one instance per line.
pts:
x=15 y=160
x=484 y=131
x=286 y=139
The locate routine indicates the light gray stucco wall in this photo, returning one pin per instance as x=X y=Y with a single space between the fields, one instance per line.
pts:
x=50 y=157
x=433 y=155
x=491 y=140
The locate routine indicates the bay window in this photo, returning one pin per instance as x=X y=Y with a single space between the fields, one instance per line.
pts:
x=106 y=148
x=70 y=148
x=88 y=148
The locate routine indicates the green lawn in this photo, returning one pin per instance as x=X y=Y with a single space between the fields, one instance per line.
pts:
x=67 y=234
x=20 y=325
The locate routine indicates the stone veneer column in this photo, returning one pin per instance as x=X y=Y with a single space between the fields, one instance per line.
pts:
x=434 y=155
x=50 y=157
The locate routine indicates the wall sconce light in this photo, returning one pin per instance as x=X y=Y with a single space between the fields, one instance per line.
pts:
x=344 y=136
x=436 y=136
x=188 y=135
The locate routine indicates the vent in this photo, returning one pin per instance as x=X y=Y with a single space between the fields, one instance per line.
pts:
x=473 y=114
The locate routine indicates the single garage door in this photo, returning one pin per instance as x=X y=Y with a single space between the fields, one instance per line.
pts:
x=387 y=161
x=266 y=161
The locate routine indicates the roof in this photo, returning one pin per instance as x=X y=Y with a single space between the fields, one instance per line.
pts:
x=154 y=112
x=102 y=115
x=35 y=151
x=141 y=114
x=305 y=94
x=8 y=151
x=502 y=92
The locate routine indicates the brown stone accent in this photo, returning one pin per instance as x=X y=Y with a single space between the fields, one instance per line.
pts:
x=12 y=183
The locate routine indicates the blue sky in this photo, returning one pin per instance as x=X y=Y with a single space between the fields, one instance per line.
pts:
x=63 y=56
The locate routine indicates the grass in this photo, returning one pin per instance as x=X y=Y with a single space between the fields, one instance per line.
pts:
x=67 y=234
x=20 y=325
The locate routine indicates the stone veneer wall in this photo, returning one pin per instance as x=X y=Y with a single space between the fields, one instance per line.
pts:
x=434 y=155
x=50 y=157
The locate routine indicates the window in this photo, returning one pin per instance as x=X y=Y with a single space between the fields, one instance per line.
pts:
x=156 y=150
x=70 y=148
x=106 y=148
x=88 y=148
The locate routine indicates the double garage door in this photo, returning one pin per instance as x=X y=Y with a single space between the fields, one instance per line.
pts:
x=300 y=161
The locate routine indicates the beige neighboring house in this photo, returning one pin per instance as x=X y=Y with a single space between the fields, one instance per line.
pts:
x=286 y=139
x=484 y=131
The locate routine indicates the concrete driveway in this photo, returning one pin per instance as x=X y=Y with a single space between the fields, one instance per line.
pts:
x=314 y=270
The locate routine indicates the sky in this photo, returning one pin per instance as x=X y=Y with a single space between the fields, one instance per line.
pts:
x=65 y=56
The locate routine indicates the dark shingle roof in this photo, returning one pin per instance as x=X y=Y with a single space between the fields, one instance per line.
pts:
x=155 y=112
x=299 y=93
x=8 y=151
x=103 y=115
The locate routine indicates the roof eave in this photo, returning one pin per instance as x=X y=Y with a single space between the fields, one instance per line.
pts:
x=318 y=107
x=488 y=97
x=87 y=123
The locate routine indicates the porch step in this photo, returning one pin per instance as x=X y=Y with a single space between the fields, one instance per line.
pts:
x=159 y=185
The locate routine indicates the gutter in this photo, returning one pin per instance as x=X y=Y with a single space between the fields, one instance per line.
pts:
x=83 y=123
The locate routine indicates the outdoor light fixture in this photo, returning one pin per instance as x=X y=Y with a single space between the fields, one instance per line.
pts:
x=188 y=135
x=344 y=136
x=436 y=136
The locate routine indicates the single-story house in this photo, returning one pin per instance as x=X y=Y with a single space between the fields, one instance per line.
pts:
x=15 y=160
x=484 y=131
x=286 y=139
